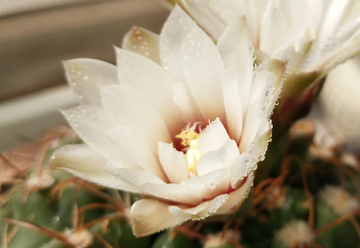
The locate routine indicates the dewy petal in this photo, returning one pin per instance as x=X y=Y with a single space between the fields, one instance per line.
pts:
x=128 y=106
x=173 y=34
x=205 y=17
x=203 y=69
x=237 y=197
x=213 y=137
x=193 y=190
x=143 y=42
x=134 y=177
x=173 y=162
x=86 y=75
x=226 y=10
x=84 y=162
x=135 y=145
x=152 y=81
x=90 y=122
x=224 y=158
x=150 y=216
x=274 y=27
x=249 y=158
x=234 y=44
x=260 y=100
x=201 y=211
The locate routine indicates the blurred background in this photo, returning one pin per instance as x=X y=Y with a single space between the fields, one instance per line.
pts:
x=36 y=35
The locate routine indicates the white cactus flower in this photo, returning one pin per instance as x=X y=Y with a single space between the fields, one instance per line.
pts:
x=313 y=36
x=185 y=124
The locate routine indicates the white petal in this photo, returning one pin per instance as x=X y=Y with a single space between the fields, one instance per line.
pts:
x=191 y=191
x=173 y=163
x=205 y=18
x=211 y=184
x=86 y=163
x=151 y=80
x=135 y=145
x=226 y=10
x=133 y=177
x=201 y=211
x=273 y=29
x=86 y=75
x=203 y=69
x=90 y=123
x=213 y=137
x=249 y=158
x=224 y=158
x=233 y=103
x=182 y=100
x=237 y=197
x=143 y=42
x=150 y=216
x=128 y=106
x=173 y=34
x=259 y=102
x=235 y=43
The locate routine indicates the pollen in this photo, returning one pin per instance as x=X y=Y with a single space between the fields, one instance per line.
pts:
x=190 y=140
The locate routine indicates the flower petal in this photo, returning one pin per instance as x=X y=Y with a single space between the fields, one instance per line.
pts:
x=84 y=162
x=151 y=80
x=128 y=106
x=135 y=145
x=249 y=158
x=213 y=137
x=260 y=99
x=143 y=42
x=174 y=32
x=86 y=75
x=205 y=17
x=173 y=162
x=203 y=69
x=133 y=177
x=201 y=211
x=90 y=123
x=150 y=216
x=224 y=158
x=237 y=197
x=193 y=190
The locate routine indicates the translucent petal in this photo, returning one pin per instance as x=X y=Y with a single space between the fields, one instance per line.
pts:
x=86 y=163
x=151 y=80
x=127 y=106
x=86 y=75
x=173 y=163
x=224 y=158
x=203 y=69
x=213 y=137
x=143 y=42
x=146 y=218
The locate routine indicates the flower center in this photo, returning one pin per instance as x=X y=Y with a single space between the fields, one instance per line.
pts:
x=190 y=138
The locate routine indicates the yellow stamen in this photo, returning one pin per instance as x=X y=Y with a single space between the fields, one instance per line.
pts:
x=190 y=140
